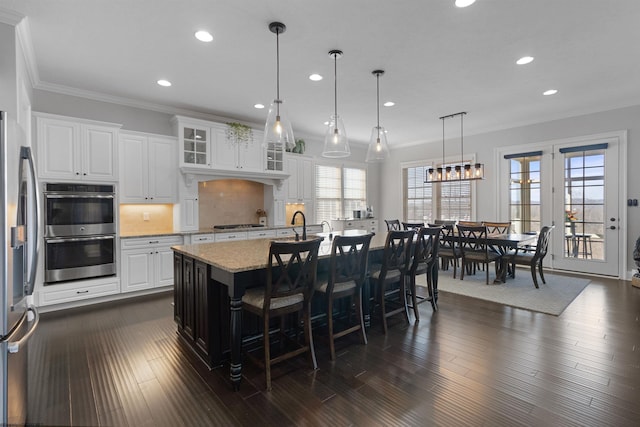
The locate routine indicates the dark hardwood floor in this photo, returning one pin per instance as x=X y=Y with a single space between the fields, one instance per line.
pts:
x=471 y=363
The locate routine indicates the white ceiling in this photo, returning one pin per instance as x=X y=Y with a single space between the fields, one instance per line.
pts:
x=438 y=59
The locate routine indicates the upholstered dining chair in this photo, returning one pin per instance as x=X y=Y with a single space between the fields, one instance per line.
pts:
x=347 y=273
x=475 y=248
x=534 y=259
x=290 y=282
x=393 y=271
x=392 y=224
x=425 y=261
x=449 y=248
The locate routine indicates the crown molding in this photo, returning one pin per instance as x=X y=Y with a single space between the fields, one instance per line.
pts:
x=10 y=17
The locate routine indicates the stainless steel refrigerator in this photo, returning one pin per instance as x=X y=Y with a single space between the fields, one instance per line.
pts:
x=19 y=219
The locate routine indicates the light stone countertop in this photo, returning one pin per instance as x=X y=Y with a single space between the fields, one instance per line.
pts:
x=246 y=255
x=133 y=234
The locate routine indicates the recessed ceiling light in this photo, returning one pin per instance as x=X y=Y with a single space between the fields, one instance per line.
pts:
x=550 y=92
x=464 y=3
x=389 y=104
x=258 y=106
x=524 y=60
x=315 y=77
x=204 y=36
x=165 y=83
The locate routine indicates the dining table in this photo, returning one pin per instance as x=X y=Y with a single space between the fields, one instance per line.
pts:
x=209 y=282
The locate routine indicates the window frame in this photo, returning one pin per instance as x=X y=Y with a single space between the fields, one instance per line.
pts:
x=342 y=167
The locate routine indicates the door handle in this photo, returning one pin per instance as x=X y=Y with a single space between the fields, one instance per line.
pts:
x=14 y=346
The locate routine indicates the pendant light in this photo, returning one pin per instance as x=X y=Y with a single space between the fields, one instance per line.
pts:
x=278 y=133
x=457 y=172
x=335 y=141
x=378 y=148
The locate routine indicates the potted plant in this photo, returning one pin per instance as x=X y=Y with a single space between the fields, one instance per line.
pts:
x=237 y=133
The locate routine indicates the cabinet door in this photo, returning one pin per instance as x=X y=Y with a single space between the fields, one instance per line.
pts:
x=305 y=177
x=226 y=153
x=195 y=145
x=58 y=153
x=279 y=213
x=178 y=290
x=189 y=297
x=189 y=216
x=201 y=331
x=99 y=153
x=292 y=181
x=163 y=266
x=137 y=269
x=162 y=175
x=250 y=156
x=133 y=169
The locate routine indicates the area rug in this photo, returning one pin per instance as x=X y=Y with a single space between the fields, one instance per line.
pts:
x=551 y=298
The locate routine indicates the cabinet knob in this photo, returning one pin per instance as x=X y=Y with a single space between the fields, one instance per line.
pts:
x=77 y=173
x=85 y=174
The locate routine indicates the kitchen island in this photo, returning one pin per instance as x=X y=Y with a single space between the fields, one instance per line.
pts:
x=209 y=282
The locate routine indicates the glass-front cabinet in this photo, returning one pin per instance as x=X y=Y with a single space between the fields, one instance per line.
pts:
x=274 y=156
x=195 y=146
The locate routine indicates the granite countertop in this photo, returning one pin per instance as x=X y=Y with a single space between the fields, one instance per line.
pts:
x=133 y=234
x=254 y=253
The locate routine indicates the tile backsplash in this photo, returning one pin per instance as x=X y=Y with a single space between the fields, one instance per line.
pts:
x=146 y=218
x=229 y=201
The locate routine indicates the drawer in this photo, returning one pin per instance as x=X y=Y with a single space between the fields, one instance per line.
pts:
x=285 y=232
x=261 y=234
x=314 y=229
x=151 y=241
x=53 y=296
x=202 y=238
x=236 y=235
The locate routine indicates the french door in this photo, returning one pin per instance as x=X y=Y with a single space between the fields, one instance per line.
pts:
x=575 y=185
x=586 y=206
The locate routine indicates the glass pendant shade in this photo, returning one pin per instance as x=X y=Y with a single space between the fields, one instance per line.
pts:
x=277 y=130
x=378 y=147
x=335 y=141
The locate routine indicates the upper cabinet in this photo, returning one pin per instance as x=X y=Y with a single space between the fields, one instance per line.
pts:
x=209 y=148
x=148 y=170
x=300 y=182
x=76 y=149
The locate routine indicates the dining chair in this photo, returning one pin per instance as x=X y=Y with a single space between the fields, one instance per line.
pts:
x=534 y=259
x=393 y=270
x=392 y=224
x=475 y=248
x=425 y=261
x=470 y=223
x=347 y=274
x=290 y=281
x=497 y=227
x=449 y=251
x=444 y=222
x=412 y=225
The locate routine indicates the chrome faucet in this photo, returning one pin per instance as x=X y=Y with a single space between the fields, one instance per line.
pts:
x=304 y=223
x=330 y=228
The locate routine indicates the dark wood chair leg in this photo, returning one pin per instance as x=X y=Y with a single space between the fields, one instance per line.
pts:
x=487 y=270
x=267 y=352
x=533 y=274
x=432 y=279
x=541 y=273
x=383 y=311
x=403 y=297
x=414 y=298
x=359 y=313
x=332 y=348
x=308 y=338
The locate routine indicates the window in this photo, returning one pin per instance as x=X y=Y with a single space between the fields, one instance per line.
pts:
x=524 y=191
x=339 y=191
x=427 y=202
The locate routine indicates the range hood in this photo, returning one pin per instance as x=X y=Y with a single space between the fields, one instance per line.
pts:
x=192 y=174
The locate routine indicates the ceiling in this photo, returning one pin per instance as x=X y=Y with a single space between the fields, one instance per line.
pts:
x=439 y=59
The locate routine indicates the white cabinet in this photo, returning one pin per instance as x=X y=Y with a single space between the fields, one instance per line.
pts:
x=300 y=181
x=261 y=234
x=147 y=262
x=233 y=235
x=148 y=171
x=368 y=224
x=287 y=232
x=232 y=155
x=78 y=290
x=194 y=142
x=76 y=149
x=197 y=239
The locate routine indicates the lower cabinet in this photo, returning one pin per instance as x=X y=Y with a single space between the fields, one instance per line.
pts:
x=147 y=262
x=77 y=291
x=195 y=294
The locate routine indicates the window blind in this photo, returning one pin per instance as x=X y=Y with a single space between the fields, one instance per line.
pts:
x=339 y=191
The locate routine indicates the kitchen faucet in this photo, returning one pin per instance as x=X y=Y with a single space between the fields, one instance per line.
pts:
x=330 y=228
x=304 y=223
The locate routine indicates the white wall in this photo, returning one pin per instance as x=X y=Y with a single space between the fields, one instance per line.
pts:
x=484 y=145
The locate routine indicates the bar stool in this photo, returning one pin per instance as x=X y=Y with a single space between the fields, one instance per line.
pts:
x=585 y=241
x=347 y=272
x=425 y=261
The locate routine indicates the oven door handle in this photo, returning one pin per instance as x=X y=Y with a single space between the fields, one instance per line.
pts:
x=79 y=239
x=78 y=196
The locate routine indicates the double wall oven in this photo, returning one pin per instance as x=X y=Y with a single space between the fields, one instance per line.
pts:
x=80 y=231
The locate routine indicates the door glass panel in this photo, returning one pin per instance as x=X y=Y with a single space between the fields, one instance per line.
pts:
x=524 y=193
x=584 y=204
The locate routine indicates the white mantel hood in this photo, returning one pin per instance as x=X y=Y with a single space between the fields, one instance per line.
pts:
x=192 y=174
